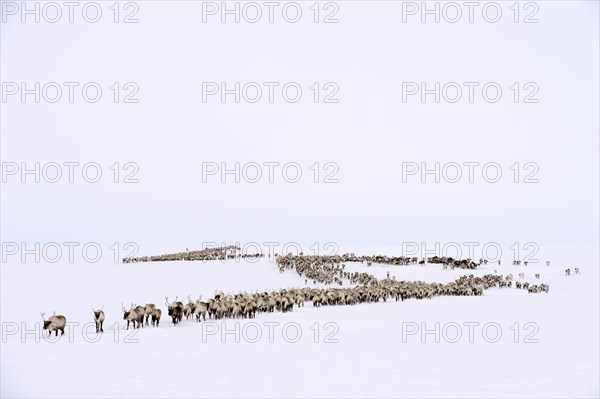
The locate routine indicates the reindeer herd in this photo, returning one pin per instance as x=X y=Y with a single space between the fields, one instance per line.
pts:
x=327 y=270
x=220 y=253
x=533 y=289
x=140 y=315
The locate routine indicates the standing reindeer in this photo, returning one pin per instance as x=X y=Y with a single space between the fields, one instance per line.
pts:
x=175 y=310
x=189 y=308
x=55 y=323
x=201 y=309
x=156 y=313
x=149 y=311
x=576 y=270
x=141 y=311
x=99 y=318
x=131 y=315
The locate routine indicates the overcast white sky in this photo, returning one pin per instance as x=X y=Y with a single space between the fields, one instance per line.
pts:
x=369 y=133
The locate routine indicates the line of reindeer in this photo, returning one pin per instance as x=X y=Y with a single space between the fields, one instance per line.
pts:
x=324 y=269
x=247 y=305
x=56 y=323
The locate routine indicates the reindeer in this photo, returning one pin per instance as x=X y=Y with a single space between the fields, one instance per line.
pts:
x=576 y=270
x=148 y=310
x=249 y=310
x=141 y=311
x=537 y=275
x=189 y=308
x=200 y=309
x=534 y=289
x=568 y=272
x=131 y=315
x=99 y=318
x=55 y=323
x=299 y=300
x=156 y=313
x=547 y=263
x=175 y=310
x=521 y=275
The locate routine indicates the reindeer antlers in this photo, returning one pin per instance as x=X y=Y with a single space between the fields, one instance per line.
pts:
x=42 y=313
x=123 y=307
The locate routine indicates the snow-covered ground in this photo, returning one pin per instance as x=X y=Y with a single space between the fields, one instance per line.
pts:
x=171 y=123
x=508 y=343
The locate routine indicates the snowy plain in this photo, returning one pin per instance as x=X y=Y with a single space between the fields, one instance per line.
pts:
x=376 y=350
x=548 y=344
